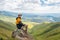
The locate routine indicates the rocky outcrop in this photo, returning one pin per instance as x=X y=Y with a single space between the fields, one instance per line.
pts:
x=22 y=35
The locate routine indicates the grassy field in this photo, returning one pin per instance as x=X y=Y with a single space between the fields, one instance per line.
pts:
x=46 y=31
x=6 y=29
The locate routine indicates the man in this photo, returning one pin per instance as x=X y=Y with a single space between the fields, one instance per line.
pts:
x=20 y=26
x=19 y=23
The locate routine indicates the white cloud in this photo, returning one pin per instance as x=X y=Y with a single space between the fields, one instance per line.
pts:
x=31 y=6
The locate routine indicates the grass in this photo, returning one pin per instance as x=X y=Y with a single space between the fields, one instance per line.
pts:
x=6 y=29
x=50 y=31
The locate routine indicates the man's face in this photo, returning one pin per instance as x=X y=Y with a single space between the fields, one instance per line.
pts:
x=19 y=16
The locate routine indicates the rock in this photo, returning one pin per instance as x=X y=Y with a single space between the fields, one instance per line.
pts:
x=23 y=35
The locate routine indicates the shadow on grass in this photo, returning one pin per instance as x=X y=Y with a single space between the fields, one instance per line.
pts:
x=50 y=29
x=53 y=34
x=1 y=38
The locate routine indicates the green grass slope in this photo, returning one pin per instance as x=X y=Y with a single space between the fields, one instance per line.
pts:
x=7 y=18
x=5 y=30
x=50 y=31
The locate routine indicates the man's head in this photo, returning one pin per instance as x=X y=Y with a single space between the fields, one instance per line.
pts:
x=19 y=15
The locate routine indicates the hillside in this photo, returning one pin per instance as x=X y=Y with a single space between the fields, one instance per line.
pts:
x=5 y=30
x=50 y=31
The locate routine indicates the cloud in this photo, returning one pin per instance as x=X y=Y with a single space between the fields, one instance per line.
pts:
x=51 y=2
x=31 y=6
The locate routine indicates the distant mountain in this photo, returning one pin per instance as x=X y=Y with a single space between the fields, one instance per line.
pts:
x=7 y=13
x=50 y=17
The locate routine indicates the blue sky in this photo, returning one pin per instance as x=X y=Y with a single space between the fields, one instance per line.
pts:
x=31 y=6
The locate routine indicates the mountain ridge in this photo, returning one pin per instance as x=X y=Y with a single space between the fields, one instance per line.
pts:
x=34 y=17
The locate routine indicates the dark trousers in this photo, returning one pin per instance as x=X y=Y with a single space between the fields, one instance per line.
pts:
x=19 y=25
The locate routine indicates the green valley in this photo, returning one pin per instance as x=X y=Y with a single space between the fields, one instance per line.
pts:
x=46 y=30
x=50 y=31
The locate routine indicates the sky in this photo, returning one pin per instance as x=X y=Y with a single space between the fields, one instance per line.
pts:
x=30 y=6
